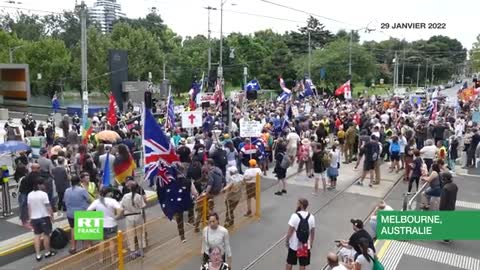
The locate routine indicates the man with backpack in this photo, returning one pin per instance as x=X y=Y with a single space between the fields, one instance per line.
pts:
x=300 y=236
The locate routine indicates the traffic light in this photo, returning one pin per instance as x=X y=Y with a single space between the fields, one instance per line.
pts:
x=148 y=99
x=226 y=112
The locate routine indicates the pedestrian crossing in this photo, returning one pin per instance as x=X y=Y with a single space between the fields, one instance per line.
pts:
x=397 y=249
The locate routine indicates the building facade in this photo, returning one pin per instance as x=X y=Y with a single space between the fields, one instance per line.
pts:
x=105 y=12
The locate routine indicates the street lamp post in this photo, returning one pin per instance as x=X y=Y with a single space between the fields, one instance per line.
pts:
x=220 y=66
x=11 y=51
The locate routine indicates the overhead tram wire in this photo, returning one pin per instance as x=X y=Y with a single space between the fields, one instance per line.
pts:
x=34 y=10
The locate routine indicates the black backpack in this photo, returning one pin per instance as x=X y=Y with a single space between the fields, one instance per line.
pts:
x=303 y=229
x=220 y=158
x=58 y=239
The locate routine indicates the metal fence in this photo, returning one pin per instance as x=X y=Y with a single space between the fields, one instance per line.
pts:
x=161 y=233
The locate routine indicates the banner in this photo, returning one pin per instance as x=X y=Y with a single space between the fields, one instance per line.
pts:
x=428 y=225
x=192 y=119
x=250 y=129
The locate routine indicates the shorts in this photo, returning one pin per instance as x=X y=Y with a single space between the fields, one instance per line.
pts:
x=434 y=192
x=321 y=175
x=395 y=156
x=292 y=152
x=42 y=226
x=251 y=190
x=71 y=222
x=292 y=258
x=368 y=165
x=109 y=232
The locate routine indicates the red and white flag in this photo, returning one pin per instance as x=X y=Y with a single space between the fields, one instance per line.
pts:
x=112 y=112
x=218 y=94
x=344 y=90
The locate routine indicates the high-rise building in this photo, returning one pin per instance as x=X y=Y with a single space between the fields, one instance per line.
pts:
x=105 y=12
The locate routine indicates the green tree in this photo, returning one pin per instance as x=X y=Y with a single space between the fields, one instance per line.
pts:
x=50 y=58
x=335 y=58
x=297 y=41
x=144 y=53
x=475 y=55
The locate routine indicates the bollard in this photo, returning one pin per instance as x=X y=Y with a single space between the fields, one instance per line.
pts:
x=204 y=211
x=121 y=259
x=257 y=196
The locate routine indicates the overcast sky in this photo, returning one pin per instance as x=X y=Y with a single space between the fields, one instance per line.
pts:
x=188 y=17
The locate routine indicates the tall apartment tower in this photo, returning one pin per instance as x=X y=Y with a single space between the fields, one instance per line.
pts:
x=105 y=12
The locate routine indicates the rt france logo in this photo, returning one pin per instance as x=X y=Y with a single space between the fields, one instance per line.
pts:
x=88 y=225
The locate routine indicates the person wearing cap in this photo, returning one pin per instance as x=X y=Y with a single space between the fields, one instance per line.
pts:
x=233 y=194
x=349 y=249
x=382 y=206
x=250 y=176
x=292 y=239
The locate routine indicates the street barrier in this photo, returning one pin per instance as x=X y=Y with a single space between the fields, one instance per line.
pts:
x=158 y=242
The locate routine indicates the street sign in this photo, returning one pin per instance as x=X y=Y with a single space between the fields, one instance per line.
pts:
x=250 y=129
x=192 y=119
x=308 y=108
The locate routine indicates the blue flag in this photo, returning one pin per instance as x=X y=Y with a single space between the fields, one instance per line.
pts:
x=106 y=172
x=173 y=197
x=252 y=85
x=170 y=113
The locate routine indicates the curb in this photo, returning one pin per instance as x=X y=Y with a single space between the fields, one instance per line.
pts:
x=29 y=243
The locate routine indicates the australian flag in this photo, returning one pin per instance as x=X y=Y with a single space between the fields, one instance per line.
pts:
x=170 y=113
x=252 y=85
x=308 y=90
x=286 y=94
x=262 y=154
x=159 y=169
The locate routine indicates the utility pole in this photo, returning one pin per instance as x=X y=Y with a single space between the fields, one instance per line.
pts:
x=309 y=56
x=209 y=8
x=403 y=65
x=433 y=74
x=83 y=45
x=164 y=67
x=426 y=74
x=395 y=67
x=350 y=55
x=418 y=73
x=245 y=74
x=220 y=66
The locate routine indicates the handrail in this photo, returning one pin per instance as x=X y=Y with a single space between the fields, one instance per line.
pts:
x=409 y=206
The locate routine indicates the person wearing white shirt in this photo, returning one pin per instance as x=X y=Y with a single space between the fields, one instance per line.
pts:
x=111 y=211
x=382 y=206
x=332 y=260
x=364 y=260
x=40 y=216
x=292 y=145
x=428 y=153
x=215 y=235
x=292 y=241
x=250 y=177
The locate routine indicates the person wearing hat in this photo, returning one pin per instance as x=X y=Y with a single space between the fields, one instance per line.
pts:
x=304 y=156
x=184 y=152
x=349 y=249
x=233 y=193
x=250 y=176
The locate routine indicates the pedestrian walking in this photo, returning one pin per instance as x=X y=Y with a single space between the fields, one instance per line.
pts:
x=215 y=235
x=300 y=236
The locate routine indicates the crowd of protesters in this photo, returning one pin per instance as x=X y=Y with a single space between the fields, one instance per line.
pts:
x=320 y=134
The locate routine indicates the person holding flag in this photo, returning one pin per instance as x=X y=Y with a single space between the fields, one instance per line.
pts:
x=286 y=94
x=345 y=90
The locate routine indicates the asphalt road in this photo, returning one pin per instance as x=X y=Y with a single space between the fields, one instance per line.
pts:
x=436 y=255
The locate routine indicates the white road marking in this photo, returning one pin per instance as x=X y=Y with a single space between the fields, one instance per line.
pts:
x=399 y=248
x=465 y=204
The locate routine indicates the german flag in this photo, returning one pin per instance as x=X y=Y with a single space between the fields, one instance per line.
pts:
x=123 y=168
